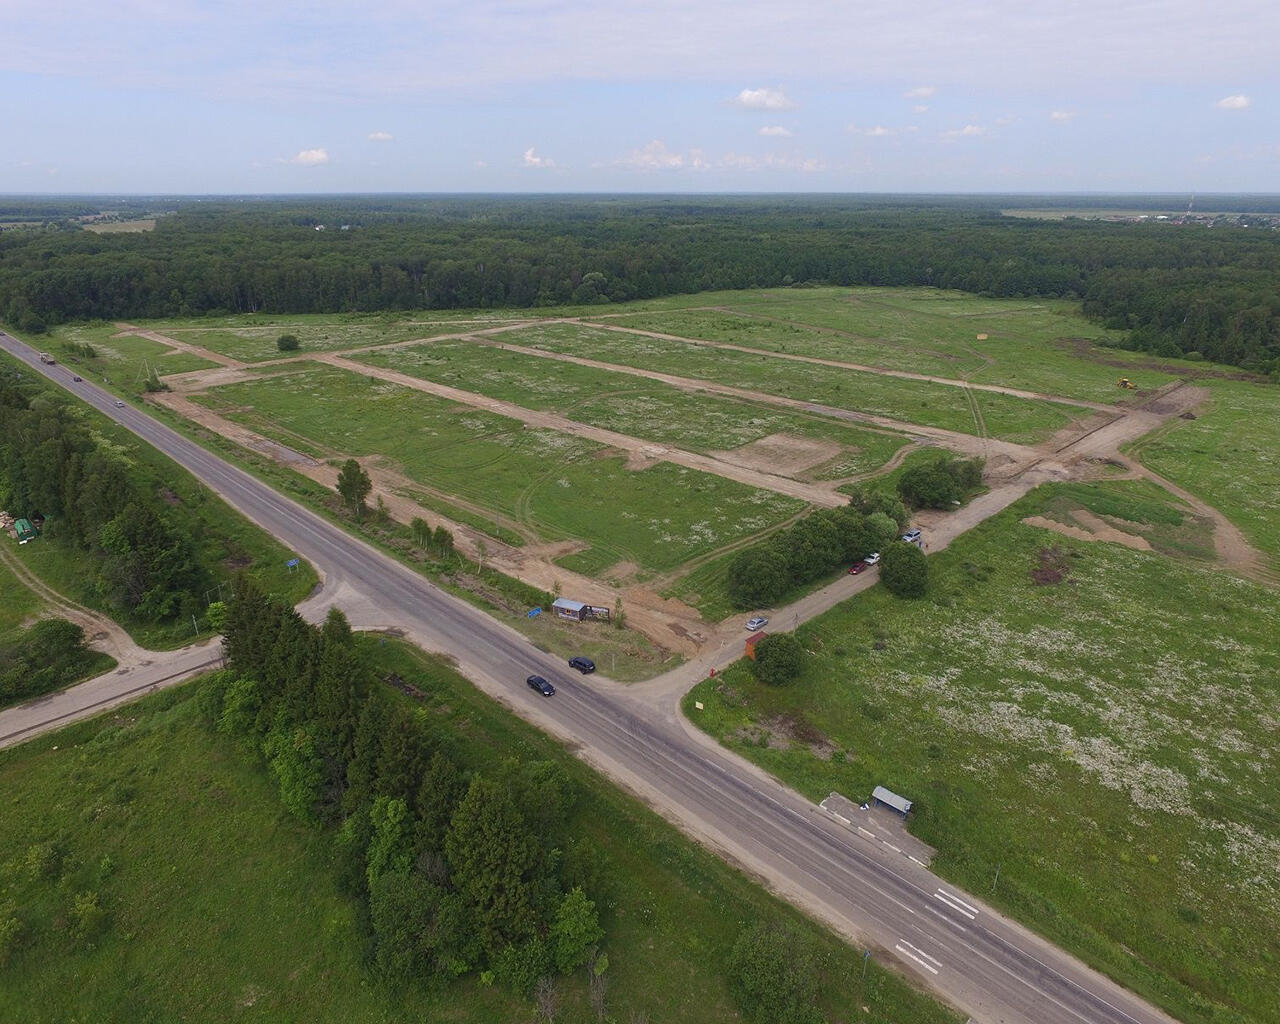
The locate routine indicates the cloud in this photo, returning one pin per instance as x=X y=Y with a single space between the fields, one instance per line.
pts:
x=920 y=108
x=311 y=157
x=1236 y=102
x=1062 y=115
x=772 y=162
x=531 y=159
x=967 y=132
x=380 y=136
x=653 y=156
x=480 y=163
x=920 y=92
x=776 y=130
x=878 y=132
x=763 y=99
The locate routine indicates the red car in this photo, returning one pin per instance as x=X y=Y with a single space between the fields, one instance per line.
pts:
x=858 y=567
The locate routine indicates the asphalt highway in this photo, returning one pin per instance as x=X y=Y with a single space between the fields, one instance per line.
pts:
x=948 y=941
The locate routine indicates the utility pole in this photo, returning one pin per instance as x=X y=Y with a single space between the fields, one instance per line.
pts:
x=997 y=878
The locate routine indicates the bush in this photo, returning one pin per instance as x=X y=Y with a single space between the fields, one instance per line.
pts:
x=941 y=482
x=904 y=570
x=287 y=343
x=11 y=935
x=773 y=974
x=758 y=576
x=779 y=659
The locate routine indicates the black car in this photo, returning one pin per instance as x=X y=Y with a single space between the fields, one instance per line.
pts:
x=583 y=665
x=541 y=685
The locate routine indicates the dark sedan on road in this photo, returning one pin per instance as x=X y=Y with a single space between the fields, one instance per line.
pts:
x=583 y=665
x=858 y=567
x=541 y=685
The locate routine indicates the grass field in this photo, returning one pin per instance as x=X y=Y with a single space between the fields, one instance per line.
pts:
x=937 y=405
x=221 y=907
x=562 y=486
x=1230 y=457
x=122 y=359
x=631 y=405
x=1043 y=345
x=1105 y=741
x=256 y=344
x=20 y=603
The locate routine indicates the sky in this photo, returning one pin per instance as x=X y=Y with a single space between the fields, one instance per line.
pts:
x=261 y=96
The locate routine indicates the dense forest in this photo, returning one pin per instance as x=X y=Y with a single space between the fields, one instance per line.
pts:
x=1176 y=289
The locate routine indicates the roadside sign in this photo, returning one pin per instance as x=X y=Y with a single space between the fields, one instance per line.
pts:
x=292 y=563
x=533 y=613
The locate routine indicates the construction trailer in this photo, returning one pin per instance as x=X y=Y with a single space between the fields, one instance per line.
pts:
x=25 y=531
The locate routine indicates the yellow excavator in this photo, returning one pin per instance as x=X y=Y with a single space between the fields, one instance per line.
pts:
x=1127 y=384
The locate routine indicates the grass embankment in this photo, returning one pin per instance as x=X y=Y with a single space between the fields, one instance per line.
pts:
x=1107 y=741
x=644 y=408
x=908 y=401
x=559 y=485
x=1229 y=456
x=122 y=361
x=220 y=906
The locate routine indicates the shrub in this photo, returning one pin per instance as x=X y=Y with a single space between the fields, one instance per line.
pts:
x=773 y=974
x=779 y=659
x=287 y=343
x=904 y=570
x=941 y=482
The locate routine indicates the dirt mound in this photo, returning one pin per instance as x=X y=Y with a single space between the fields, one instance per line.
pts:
x=1053 y=566
x=781 y=454
x=1090 y=527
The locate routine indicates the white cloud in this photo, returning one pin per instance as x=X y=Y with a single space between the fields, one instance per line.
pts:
x=763 y=99
x=380 y=136
x=879 y=131
x=1062 y=115
x=772 y=162
x=967 y=132
x=653 y=156
x=531 y=159
x=920 y=108
x=776 y=130
x=480 y=163
x=311 y=157
x=920 y=92
x=1236 y=102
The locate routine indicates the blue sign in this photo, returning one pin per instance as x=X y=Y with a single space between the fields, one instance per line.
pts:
x=292 y=563
x=533 y=613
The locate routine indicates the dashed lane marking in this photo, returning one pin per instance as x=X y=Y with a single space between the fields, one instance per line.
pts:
x=918 y=955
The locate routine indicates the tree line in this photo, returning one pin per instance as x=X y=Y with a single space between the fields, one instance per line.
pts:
x=53 y=463
x=823 y=541
x=459 y=872
x=1174 y=290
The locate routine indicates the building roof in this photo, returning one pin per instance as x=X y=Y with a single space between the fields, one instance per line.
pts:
x=564 y=604
x=899 y=803
x=754 y=637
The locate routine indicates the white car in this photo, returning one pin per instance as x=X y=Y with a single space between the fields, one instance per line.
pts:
x=759 y=622
x=872 y=558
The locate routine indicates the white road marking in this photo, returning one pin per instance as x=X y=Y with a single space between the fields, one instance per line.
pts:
x=920 y=862
x=939 y=895
x=869 y=835
x=893 y=848
x=956 y=899
x=949 y=920
x=919 y=956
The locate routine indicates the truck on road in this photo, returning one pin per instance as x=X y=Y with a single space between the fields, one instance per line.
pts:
x=46 y=358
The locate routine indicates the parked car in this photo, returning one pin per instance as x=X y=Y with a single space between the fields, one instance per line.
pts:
x=759 y=622
x=872 y=558
x=583 y=665
x=911 y=536
x=541 y=685
x=76 y=378
x=858 y=567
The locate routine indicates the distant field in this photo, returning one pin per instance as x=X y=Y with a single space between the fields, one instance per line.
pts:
x=562 y=486
x=1044 y=346
x=1106 y=741
x=115 y=227
x=222 y=907
x=937 y=405
x=640 y=408
x=1230 y=457
x=256 y=344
